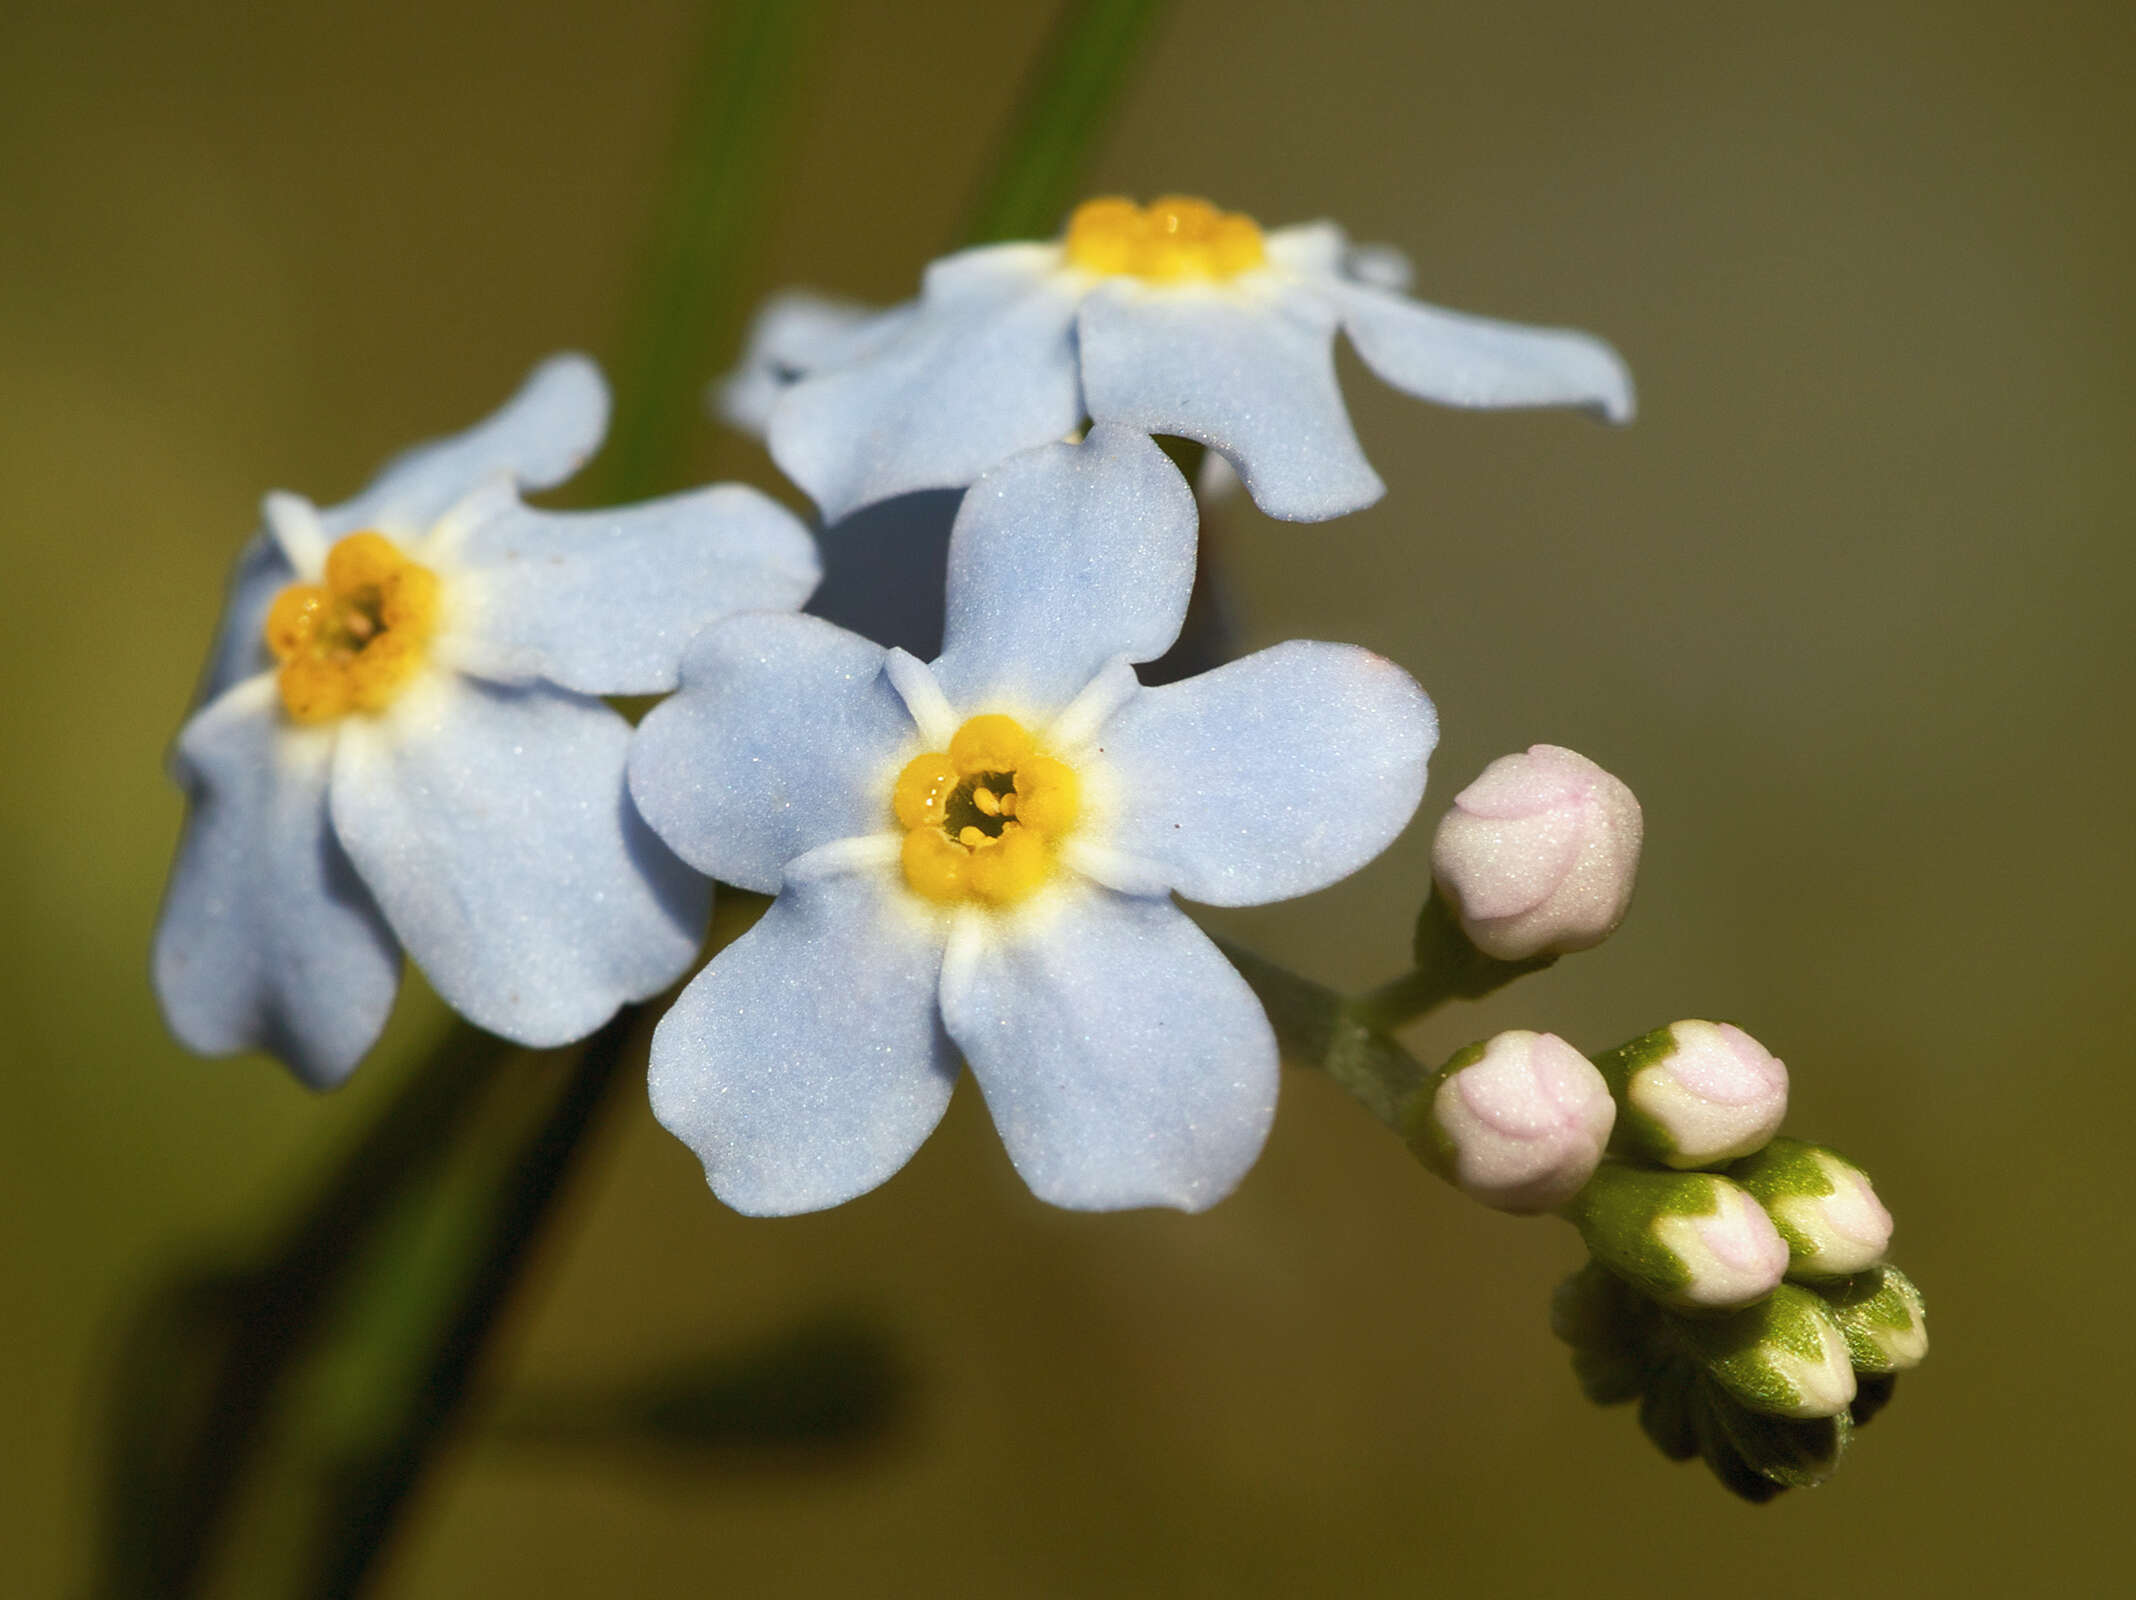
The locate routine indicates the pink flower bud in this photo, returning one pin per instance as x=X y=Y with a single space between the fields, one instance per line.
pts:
x=1522 y=1126
x=1731 y=1254
x=1698 y=1094
x=1539 y=853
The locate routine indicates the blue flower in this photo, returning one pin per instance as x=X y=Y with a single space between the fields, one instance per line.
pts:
x=398 y=745
x=978 y=857
x=1174 y=319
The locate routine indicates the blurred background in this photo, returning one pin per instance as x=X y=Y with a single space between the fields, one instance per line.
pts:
x=1849 y=607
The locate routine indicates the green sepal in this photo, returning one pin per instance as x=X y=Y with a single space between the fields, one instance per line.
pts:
x=1719 y=1451
x=1616 y=1214
x=1796 y=1453
x=1611 y=1330
x=1872 y=1307
x=1665 y=1413
x=1745 y=1352
x=1636 y=1135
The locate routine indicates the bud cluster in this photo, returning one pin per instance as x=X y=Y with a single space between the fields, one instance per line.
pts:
x=1747 y=1308
x=1736 y=1287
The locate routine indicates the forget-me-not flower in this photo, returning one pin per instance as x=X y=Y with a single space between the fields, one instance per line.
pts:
x=978 y=857
x=1175 y=318
x=399 y=745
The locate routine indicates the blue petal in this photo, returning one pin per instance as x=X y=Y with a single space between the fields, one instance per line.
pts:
x=1063 y=559
x=493 y=827
x=1251 y=374
x=796 y=332
x=260 y=573
x=268 y=940
x=540 y=437
x=784 y=736
x=604 y=601
x=1460 y=360
x=1124 y=1061
x=987 y=368
x=807 y=1063
x=1270 y=777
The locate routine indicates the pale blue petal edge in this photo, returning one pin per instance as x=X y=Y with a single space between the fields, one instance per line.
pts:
x=807 y=1063
x=493 y=827
x=796 y=332
x=260 y=572
x=537 y=439
x=1462 y=360
x=784 y=736
x=267 y=938
x=1122 y=1058
x=1062 y=559
x=1272 y=776
x=1250 y=373
x=985 y=369
x=605 y=601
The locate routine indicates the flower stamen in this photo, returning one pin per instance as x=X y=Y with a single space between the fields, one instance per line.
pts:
x=353 y=642
x=983 y=819
x=1176 y=238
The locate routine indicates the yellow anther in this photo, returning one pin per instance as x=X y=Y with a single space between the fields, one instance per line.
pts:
x=1048 y=795
x=935 y=866
x=352 y=643
x=1018 y=863
x=982 y=820
x=990 y=743
x=923 y=790
x=1174 y=239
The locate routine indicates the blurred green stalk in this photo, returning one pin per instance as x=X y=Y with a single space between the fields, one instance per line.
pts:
x=1066 y=100
x=707 y=222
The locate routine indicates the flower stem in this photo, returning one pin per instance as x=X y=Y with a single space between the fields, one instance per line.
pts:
x=1066 y=100
x=704 y=227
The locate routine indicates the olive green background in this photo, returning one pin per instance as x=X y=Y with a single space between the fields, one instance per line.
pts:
x=1849 y=608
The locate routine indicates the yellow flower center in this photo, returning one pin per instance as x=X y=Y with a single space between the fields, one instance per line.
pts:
x=352 y=642
x=984 y=819
x=1174 y=239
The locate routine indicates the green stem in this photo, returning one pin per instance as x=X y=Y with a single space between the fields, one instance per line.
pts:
x=1070 y=93
x=704 y=227
x=357 y=1531
x=190 y=1429
x=1448 y=967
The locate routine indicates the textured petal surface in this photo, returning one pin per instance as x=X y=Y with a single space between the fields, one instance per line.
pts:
x=1061 y=560
x=807 y=1062
x=796 y=332
x=542 y=435
x=1272 y=776
x=493 y=827
x=985 y=369
x=268 y=940
x=1460 y=360
x=1249 y=374
x=261 y=572
x=604 y=601
x=785 y=736
x=1124 y=1061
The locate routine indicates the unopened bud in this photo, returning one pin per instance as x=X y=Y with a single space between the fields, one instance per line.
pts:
x=1691 y=1240
x=1823 y=1205
x=1786 y=1356
x=1539 y=853
x=1695 y=1094
x=1518 y=1122
x=1883 y=1317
